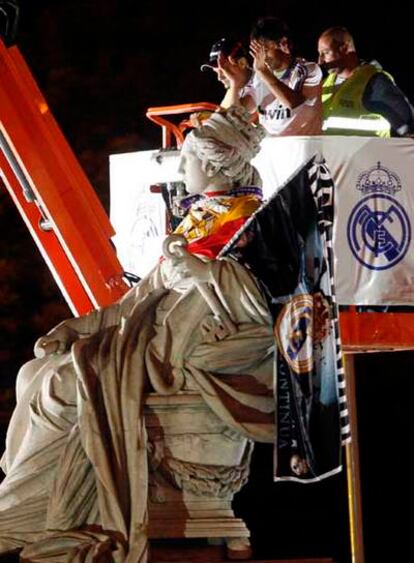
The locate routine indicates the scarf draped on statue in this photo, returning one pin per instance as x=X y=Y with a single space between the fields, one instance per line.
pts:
x=290 y=252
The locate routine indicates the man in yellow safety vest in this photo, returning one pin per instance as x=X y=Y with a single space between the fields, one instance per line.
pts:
x=359 y=98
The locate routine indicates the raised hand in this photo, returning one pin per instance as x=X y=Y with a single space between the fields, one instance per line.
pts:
x=258 y=52
x=233 y=75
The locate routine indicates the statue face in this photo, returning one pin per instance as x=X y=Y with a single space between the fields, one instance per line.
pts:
x=194 y=178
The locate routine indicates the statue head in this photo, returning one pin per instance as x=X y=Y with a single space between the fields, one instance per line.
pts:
x=217 y=155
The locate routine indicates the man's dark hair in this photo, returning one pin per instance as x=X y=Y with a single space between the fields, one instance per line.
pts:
x=270 y=28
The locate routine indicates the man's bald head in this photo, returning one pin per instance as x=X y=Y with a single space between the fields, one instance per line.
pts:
x=339 y=36
x=336 y=49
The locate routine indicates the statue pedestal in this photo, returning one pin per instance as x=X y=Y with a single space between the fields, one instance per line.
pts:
x=196 y=465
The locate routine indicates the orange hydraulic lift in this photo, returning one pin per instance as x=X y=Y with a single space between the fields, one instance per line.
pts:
x=52 y=193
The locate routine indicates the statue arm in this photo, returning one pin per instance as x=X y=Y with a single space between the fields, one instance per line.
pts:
x=60 y=338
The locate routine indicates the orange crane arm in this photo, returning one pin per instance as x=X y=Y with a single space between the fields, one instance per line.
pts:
x=53 y=194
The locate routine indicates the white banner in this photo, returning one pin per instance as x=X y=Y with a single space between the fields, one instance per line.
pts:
x=374 y=201
x=374 y=198
x=137 y=213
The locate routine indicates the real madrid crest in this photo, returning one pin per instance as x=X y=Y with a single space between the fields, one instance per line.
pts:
x=379 y=231
x=302 y=322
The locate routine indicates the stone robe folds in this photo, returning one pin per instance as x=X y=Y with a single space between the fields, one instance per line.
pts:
x=76 y=459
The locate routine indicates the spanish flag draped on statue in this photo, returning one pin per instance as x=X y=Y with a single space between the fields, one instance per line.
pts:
x=214 y=217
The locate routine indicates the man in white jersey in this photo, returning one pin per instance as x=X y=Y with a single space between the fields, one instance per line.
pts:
x=285 y=90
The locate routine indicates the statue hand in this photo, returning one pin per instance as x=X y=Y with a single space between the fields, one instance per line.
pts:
x=186 y=270
x=182 y=265
x=189 y=267
x=57 y=341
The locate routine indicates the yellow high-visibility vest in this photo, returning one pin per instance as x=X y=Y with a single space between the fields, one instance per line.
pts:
x=343 y=110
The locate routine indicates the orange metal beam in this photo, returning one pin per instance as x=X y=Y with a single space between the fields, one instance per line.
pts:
x=49 y=246
x=168 y=127
x=50 y=170
x=376 y=332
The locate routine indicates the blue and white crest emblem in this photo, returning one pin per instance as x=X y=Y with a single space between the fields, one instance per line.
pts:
x=379 y=230
x=379 y=179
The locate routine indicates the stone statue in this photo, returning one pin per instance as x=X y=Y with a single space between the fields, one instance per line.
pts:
x=76 y=460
